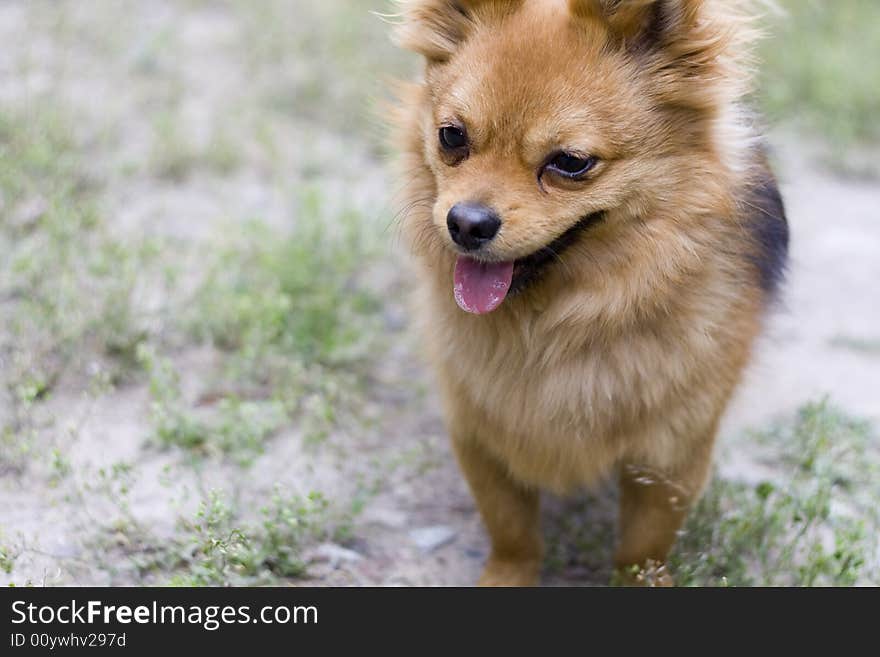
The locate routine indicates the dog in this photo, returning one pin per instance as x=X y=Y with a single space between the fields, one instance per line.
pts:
x=597 y=239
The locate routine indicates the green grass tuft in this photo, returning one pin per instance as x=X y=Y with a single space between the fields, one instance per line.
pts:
x=217 y=549
x=236 y=427
x=815 y=526
x=820 y=68
x=302 y=295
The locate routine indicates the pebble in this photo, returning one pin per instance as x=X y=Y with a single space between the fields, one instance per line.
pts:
x=429 y=539
x=384 y=516
x=334 y=554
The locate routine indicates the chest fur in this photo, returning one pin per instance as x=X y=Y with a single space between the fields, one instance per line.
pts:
x=560 y=400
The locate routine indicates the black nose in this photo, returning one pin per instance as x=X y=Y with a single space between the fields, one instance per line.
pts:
x=471 y=225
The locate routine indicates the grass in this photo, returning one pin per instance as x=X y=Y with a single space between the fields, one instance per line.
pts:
x=302 y=294
x=345 y=36
x=216 y=548
x=70 y=289
x=67 y=289
x=174 y=154
x=819 y=72
x=289 y=351
x=8 y=555
x=238 y=428
x=816 y=525
x=65 y=280
x=295 y=316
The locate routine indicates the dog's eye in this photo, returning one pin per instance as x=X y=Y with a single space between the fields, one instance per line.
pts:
x=452 y=138
x=571 y=166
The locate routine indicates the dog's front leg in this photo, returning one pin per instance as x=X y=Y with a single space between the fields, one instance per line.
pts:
x=511 y=514
x=654 y=502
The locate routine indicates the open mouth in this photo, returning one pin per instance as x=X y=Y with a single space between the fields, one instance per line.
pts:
x=480 y=287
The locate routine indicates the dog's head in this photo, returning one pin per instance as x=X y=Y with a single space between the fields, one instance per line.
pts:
x=541 y=121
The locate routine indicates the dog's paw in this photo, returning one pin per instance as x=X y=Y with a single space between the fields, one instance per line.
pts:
x=501 y=572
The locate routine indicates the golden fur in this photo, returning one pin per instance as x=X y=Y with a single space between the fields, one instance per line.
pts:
x=622 y=356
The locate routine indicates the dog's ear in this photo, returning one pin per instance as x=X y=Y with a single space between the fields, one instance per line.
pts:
x=436 y=28
x=684 y=46
x=641 y=24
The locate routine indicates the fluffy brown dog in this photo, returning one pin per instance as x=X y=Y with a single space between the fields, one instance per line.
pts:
x=598 y=237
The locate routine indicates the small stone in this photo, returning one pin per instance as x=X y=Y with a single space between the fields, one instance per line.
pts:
x=429 y=539
x=390 y=518
x=334 y=554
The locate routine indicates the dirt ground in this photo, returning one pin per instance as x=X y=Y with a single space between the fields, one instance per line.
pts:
x=116 y=72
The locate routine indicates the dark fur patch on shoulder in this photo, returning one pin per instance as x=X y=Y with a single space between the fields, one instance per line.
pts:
x=765 y=217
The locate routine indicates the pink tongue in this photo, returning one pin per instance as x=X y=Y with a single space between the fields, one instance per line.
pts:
x=480 y=287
